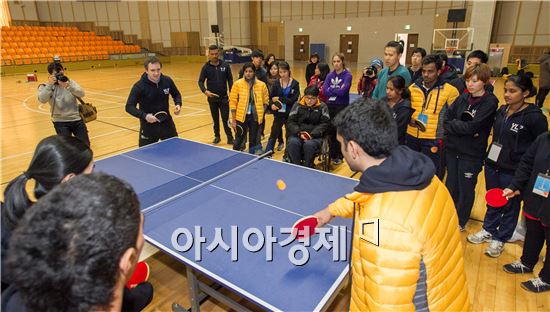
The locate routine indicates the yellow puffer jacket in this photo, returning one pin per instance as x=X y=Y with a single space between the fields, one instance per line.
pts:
x=414 y=226
x=434 y=104
x=240 y=95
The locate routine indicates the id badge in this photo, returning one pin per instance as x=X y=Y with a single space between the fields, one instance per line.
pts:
x=494 y=151
x=283 y=108
x=332 y=99
x=423 y=118
x=542 y=185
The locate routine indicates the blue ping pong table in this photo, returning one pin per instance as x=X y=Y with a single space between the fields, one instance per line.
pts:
x=183 y=184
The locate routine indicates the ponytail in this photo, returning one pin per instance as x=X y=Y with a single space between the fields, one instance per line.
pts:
x=523 y=82
x=54 y=158
x=16 y=201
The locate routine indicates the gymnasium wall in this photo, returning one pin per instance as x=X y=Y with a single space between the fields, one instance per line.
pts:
x=273 y=11
x=525 y=25
x=374 y=33
x=154 y=20
x=376 y=22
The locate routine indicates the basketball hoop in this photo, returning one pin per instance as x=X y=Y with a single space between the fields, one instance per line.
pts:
x=450 y=51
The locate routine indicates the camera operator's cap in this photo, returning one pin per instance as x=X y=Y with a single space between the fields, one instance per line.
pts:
x=257 y=53
x=377 y=62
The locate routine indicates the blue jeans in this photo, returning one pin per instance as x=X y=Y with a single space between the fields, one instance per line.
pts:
x=501 y=222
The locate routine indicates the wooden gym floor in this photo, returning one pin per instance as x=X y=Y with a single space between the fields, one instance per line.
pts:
x=24 y=122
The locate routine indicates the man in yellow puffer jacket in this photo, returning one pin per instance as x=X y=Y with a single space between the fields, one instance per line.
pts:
x=430 y=97
x=247 y=101
x=406 y=248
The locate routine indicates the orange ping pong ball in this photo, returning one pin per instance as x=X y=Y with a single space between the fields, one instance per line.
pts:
x=281 y=185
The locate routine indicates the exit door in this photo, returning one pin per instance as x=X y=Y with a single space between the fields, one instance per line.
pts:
x=301 y=47
x=412 y=43
x=349 y=45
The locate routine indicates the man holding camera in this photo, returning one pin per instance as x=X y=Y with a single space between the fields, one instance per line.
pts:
x=61 y=93
x=367 y=83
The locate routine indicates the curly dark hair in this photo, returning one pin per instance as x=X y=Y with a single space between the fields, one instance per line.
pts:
x=433 y=58
x=370 y=124
x=65 y=253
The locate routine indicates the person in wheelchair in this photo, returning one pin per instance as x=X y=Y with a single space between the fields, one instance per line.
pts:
x=307 y=123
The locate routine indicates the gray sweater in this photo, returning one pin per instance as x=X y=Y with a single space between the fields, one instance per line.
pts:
x=63 y=103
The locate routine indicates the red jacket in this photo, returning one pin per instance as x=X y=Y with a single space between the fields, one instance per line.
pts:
x=366 y=86
x=315 y=81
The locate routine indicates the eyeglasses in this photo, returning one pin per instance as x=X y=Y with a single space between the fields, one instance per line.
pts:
x=310 y=98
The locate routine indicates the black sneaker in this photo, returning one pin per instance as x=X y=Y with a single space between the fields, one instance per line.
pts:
x=517 y=267
x=230 y=141
x=216 y=140
x=536 y=285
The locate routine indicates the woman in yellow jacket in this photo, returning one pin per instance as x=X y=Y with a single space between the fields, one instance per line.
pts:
x=406 y=247
x=248 y=99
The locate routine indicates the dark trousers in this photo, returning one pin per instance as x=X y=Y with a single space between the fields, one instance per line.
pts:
x=220 y=106
x=430 y=148
x=249 y=126
x=461 y=182
x=153 y=132
x=77 y=128
x=298 y=150
x=535 y=237
x=541 y=96
x=276 y=131
x=501 y=222
x=334 y=145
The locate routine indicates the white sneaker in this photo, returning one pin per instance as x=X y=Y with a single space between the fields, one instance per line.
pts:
x=516 y=237
x=480 y=237
x=495 y=249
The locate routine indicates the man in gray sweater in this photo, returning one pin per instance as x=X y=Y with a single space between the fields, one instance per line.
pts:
x=61 y=92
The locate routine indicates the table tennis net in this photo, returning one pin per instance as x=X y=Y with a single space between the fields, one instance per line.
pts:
x=199 y=178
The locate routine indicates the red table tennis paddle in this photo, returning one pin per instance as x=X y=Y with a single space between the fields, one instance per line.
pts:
x=299 y=228
x=495 y=198
x=141 y=274
x=306 y=135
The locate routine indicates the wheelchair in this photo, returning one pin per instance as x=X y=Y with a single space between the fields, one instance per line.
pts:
x=323 y=157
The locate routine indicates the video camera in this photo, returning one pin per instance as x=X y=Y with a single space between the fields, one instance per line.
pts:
x=370 y=71
x=58 y=69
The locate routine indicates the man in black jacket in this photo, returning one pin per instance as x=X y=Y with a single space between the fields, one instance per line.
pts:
x=152 y=92
x=218 y=77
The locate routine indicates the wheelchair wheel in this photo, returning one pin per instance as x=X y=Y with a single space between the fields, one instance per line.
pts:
x=325 y=155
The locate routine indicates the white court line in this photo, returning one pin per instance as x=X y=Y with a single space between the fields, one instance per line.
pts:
x=220 y=188
x=93 y=137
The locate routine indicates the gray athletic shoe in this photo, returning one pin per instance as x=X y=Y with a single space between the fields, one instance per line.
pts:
x=495 y=249
x=516 y=237
x=480 y=237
